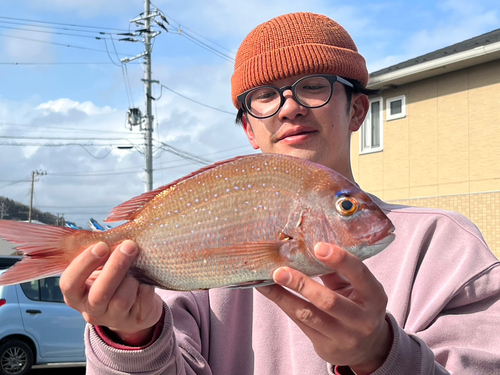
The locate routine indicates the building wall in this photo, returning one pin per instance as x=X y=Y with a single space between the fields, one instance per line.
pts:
x=445 y=152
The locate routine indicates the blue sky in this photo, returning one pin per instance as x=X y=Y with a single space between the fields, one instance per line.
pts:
x=64 y=98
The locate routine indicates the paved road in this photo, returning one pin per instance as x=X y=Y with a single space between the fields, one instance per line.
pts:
x=59 y=371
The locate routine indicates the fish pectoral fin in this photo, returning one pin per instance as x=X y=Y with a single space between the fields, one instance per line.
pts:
x=253 y=255
x=251 y=284
x=263 y=254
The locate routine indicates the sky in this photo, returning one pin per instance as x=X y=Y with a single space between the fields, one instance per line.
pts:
x=64 y=92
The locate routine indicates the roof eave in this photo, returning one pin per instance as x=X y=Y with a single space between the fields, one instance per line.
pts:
x=436 y=67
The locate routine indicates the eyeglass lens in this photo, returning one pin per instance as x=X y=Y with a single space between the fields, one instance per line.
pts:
x=310 y=92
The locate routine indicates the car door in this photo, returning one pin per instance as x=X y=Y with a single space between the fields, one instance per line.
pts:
x=57 y=328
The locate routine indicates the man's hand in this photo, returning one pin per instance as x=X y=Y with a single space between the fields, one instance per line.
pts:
x=97 y=285
x=345 y=317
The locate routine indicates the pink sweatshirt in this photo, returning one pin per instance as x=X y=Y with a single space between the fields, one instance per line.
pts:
x=443 y=285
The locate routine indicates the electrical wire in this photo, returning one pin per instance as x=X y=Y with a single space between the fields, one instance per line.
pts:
x=52 y=32
x=58 y=129
x=69 y=138
x=206 y=46
x=183 y=154
x=185 y=28
x=52 y=27
x=109 y=55
x=63 y=24
x=59 y=63
x=125 y=77
x=13 y=183
x=54 y=43
x=194 y=101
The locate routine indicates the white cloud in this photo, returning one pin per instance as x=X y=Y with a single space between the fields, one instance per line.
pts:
x=64 y=105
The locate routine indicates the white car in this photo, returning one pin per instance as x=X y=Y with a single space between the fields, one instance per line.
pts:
x=38 y=329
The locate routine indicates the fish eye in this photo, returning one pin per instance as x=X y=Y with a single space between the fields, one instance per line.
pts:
x=346 y=206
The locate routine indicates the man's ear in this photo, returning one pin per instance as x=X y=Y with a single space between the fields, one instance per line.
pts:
x=359 y=109
x=249 y=132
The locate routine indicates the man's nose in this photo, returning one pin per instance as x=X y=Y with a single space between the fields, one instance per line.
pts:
x=291 y=107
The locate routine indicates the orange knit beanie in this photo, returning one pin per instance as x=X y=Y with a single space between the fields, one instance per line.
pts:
x=295 y=44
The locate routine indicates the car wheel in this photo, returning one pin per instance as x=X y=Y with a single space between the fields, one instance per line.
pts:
x=16 y=358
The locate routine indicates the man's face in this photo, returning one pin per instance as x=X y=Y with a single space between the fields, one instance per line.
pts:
x=320 y=134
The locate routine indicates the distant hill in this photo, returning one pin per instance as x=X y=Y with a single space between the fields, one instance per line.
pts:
x=12 y=210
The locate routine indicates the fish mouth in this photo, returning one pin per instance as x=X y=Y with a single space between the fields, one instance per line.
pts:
x=386 y=241
x=376 y=242
x=384 y=236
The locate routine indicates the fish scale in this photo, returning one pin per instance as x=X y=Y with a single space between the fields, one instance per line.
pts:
x=229 y=224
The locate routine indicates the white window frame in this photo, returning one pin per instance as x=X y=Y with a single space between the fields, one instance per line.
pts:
x=366 y=129
x=389 y=116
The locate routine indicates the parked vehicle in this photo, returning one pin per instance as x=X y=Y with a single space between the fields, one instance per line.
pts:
x=38 y=328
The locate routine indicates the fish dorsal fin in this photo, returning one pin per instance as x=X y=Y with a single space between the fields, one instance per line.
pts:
x=129 y=209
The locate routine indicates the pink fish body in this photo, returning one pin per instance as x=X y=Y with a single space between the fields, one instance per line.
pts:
x=230 y=224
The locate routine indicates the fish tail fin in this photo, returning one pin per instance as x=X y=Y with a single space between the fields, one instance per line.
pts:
x=47 y=250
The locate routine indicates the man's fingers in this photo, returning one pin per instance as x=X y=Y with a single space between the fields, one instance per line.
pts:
x=326 y=300
x=352 y=268
x=124 y=297
x=319 y=326
x=149 y=307
x=112 y=275
x=298 y=309
x=73 y=280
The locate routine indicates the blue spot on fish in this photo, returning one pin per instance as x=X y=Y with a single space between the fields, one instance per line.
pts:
x=342 y=193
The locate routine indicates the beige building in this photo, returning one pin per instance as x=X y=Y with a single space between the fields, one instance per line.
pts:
x=432 y=136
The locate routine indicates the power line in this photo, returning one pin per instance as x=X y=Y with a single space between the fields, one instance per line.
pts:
x=53 y=43
x=55 y=32
x=64 y=24
x=58 y=63
x=183 y=154
x=194 y=101
x=70 y=138
x=58 y=129
x=52 y=27
x=206 y=46
x=185 y=28
x=13 y=183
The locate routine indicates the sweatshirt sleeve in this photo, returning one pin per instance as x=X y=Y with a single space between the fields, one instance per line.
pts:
x=163 y=356
x=408 y=355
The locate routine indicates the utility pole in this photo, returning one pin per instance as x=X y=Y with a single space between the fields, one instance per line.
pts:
x=148 y=134
x=33 y=174
x=2 y=211
x=134 y=114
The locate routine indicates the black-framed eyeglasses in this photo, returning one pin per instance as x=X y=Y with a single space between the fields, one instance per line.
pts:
x=311 y=92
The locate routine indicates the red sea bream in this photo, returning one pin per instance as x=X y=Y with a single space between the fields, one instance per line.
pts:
x=230 y=224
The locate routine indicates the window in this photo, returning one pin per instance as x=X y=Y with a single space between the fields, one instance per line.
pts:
x=32 y=290
x=396 y=107
x=43 y=290
x=372 y=129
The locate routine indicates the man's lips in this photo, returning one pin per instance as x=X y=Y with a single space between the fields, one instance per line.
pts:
x=292 y=132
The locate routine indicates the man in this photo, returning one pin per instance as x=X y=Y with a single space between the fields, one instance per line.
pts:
x=428 y=304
